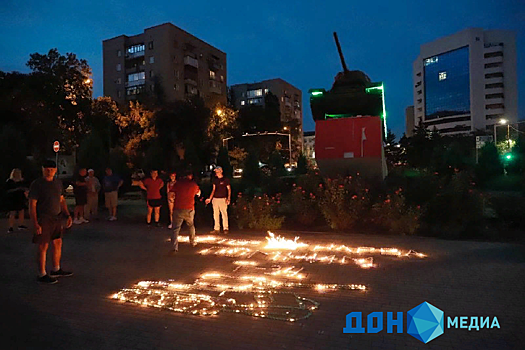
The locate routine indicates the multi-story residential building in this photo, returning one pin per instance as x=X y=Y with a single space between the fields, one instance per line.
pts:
x=167 y=60
x=309 y=145
x=466 y=81
x=290 y=100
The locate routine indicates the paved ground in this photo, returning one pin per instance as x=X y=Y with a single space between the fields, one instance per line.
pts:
x=461 y=278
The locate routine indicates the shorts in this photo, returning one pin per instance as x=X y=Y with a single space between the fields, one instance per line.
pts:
x=52 y=228
x=81 y=198
x=155 y=203
x=111 y=199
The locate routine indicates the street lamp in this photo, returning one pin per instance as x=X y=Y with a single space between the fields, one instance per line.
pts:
x=503 y=122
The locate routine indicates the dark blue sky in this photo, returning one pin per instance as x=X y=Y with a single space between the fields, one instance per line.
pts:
x=268 y=39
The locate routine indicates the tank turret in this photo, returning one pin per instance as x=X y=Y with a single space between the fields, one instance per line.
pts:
x=352 y=94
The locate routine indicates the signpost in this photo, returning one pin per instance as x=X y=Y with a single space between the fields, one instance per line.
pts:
x=480 y=142
x=56 y=148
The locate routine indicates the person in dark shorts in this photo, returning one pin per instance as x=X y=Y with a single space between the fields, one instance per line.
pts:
x=220 y=198
x=80 y=191
x=47 y=208
x=16 y=199
x=152 y=185
x=184 y=209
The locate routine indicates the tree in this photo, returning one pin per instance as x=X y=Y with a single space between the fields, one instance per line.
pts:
x=62 y=92
x=223 y=123
x=237 y=157
x=252 y=171
x=276 y=164
x=223 y=160
x=302 y=165
x=489 y=163
x=136 y=128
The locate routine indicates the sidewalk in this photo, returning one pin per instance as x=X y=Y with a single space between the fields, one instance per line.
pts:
x=461 y=278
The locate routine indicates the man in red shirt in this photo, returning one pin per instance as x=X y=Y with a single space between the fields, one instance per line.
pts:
x=152 y=186
x=184 y=209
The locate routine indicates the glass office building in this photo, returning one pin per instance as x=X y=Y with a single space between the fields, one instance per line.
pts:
x=447 y=84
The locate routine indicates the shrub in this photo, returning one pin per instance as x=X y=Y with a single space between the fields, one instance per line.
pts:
x=257 y=213
x=303 y=207
x=343 y=202
x=394 y=215
x=456 y=209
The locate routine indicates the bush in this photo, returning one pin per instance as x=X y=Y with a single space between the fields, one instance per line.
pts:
x=395 y=216
x=457 y=209
x=257 y=213
x=343 y=202
x=303 y=207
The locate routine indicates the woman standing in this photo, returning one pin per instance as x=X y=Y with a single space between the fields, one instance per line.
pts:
x=152 y=185
x=170 y=194
x=16 y=199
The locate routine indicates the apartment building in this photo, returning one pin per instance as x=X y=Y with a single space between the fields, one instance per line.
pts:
x=167 y=60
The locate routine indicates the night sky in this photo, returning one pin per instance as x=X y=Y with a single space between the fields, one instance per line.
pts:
x=267 y=39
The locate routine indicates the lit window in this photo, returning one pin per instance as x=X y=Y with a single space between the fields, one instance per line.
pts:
x=136 y=48
x=242 y=103
x=222 y=78
x=254 y=93
x=152 y=59
x=212 y=74
x=431 y=60
x=265 y=91
x=442 y=76
x=119 y=67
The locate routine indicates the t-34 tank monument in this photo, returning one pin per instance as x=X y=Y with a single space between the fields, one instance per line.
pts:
x=350 y=125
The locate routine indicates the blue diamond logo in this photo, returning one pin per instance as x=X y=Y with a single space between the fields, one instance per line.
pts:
x=425 y=322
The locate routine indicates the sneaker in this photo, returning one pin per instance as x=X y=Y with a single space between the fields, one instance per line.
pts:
x=84 y=220
x=46 y=279
x=170 y=226
x=10 y=230
x=226 y=231
x=22 y=227
x=215 y=232
x=113 y=218
x=60 y=273
x=77 y=221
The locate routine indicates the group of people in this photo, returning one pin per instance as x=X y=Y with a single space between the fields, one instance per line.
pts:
x=86 y=188
x=180 y=194
x=50 y=215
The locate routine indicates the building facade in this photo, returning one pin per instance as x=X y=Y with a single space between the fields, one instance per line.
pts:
x=309 y=145
x=164 y=60
x=290 y=101
x=466 y=81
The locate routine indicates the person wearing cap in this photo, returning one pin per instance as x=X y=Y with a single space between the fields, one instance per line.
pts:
x=47 y=208
x=220 y=198
x=93 y=187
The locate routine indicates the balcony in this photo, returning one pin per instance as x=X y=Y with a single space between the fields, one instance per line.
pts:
x=190 y=61
x=215 y=87
x=134 y=55
x=136 y=83
x=190 y=82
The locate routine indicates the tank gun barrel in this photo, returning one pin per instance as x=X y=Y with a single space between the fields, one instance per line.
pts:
x=340 y=53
